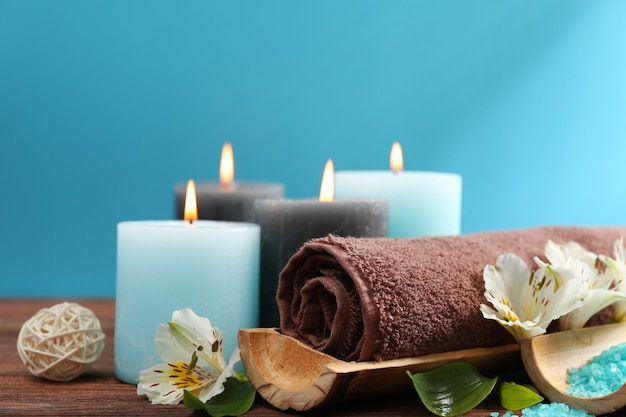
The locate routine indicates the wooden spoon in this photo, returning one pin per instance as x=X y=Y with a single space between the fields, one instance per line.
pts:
x=290 y=374
x=548 y=357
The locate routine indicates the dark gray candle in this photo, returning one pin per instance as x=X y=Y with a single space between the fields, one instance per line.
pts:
x=287 y=224
x=229 y=202
x=227 y=199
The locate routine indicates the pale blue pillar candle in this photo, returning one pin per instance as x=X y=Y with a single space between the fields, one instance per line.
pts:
x=209 y=266
x=420 y=203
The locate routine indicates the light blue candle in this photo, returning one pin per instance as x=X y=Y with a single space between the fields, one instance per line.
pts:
x=420 y=203
x=209 y=266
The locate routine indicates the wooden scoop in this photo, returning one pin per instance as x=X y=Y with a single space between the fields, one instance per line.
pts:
x=290 y=374
x=548 y=357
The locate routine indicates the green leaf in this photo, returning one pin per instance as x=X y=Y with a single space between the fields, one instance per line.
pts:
x=515 y=397
x=235 y=400
x=452 y=389
x=192 y=402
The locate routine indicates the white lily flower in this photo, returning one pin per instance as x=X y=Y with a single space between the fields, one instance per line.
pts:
x=527 y=302
x=600 y=280
x=193 y=353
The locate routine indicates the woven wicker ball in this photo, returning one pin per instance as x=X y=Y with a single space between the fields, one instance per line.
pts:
x=60 y=342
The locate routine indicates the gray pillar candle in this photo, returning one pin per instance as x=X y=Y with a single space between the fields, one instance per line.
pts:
x=287 y=224
x=229 y=202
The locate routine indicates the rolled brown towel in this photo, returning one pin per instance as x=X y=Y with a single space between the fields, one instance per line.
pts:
x=381 y=298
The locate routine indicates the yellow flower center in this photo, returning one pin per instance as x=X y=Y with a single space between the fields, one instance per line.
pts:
x=184 y=377
x=509 y=315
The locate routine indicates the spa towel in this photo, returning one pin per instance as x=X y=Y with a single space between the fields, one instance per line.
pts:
x=382 y=298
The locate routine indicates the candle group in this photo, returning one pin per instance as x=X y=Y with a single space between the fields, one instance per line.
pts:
x=226 y=265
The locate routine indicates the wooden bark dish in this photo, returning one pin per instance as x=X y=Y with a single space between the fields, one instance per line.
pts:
x=548 y=357
x=290 y=374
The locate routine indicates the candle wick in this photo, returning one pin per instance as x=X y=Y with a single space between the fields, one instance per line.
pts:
x=190 y=221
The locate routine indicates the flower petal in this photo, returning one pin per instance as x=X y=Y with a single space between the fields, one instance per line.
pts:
x=218 y=386
x=200 y=326
x=518 y=329
x=188 y=333
x=168 y=347
x=594 y=301
x=563 y=300
x=563 y=255
x=508 y=276
x=165 y=383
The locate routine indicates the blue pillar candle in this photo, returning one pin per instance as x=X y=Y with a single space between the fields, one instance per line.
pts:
x=420 y=203
x=211 y=267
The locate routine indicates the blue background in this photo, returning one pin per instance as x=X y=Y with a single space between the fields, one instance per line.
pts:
x=105 y=105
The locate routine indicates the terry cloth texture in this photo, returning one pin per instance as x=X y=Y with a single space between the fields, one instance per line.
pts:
x=382 y=298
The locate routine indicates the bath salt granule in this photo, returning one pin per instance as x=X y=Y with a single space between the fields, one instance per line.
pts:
x=553 y=410
x=547 y=410
x=602 y=375
x=507 y=414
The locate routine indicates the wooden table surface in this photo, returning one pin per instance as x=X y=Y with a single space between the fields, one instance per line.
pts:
x=99 y=393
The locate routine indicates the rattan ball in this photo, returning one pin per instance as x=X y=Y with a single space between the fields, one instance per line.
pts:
x=60 y=342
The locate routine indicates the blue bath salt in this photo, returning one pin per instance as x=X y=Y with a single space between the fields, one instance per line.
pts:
x=547 y=410
x=553 y=410
x=602 y=375
x=507 y=414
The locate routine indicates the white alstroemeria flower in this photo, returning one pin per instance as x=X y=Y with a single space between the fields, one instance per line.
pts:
x=527 y=302
x=600 y=280
x=193 y=352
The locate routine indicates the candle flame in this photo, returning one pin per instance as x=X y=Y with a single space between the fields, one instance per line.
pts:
x=327 y=190
x=191 y=205
x=395 y=159
x=227 y=165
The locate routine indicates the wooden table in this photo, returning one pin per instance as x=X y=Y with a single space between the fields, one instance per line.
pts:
x=99 y=393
